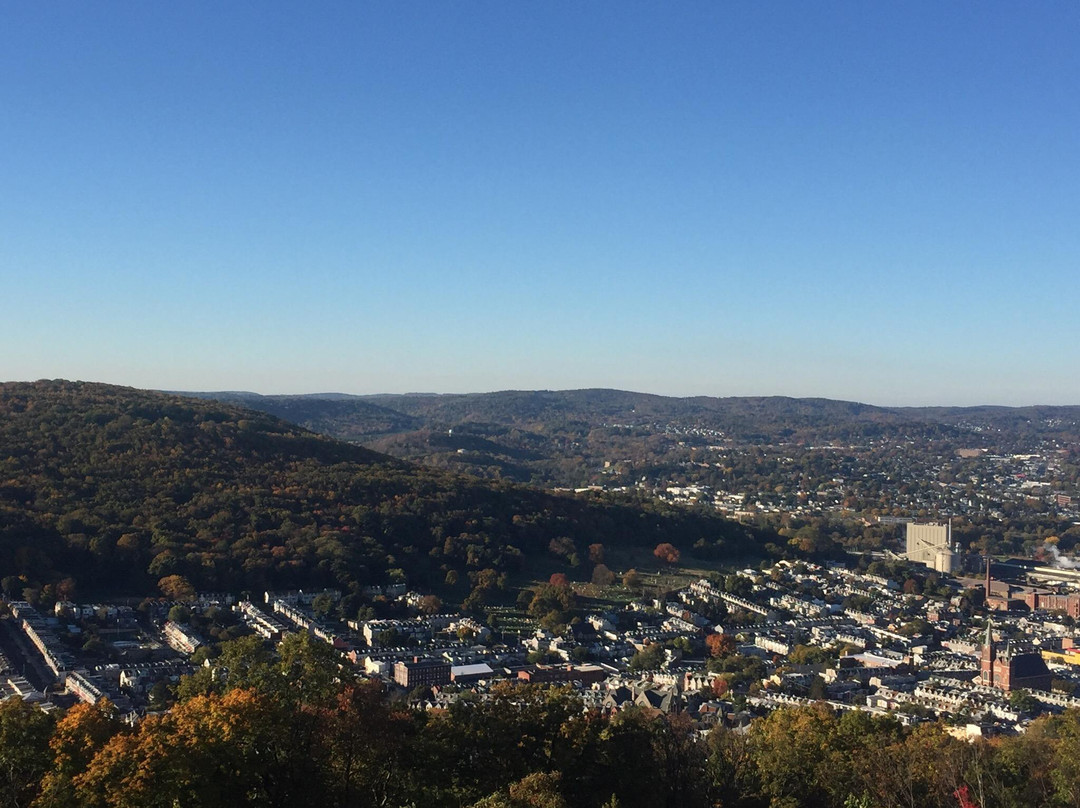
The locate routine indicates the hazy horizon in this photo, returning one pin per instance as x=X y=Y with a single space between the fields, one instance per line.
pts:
x=377 y=393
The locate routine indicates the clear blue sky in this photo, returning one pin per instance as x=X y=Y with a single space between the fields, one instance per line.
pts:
x=862 y=200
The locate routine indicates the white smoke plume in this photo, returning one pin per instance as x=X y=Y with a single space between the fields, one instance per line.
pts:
x=1056 y=559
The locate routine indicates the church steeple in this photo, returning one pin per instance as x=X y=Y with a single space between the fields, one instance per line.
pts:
x=988 y=657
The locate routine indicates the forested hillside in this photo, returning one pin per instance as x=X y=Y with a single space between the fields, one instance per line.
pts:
x=343 y=417
x=109 y=489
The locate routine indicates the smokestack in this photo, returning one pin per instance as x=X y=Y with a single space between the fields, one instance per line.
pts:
x=988 y=574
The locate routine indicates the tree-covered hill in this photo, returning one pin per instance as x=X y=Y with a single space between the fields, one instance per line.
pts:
x=563 y=438
x=343 y=417
x=117 y=488
x=767 y=418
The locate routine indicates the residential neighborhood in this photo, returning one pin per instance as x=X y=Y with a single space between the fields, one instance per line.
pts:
x=888 y=637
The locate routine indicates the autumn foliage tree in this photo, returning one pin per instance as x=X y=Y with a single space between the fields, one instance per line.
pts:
x=176 y=587
x=667 y=553
x=430 y=604
x=79 y=736
x=341 y=744
x=209 y=751
x=720 y=645
x=602 y=576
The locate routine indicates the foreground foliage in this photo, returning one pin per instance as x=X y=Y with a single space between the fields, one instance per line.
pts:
x=272 y=733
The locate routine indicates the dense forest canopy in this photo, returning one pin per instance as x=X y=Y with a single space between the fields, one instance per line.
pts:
x=117 y=488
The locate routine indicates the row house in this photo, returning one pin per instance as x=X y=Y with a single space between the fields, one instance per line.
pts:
x=181 y=638
x=266 y=626
x=41 y=636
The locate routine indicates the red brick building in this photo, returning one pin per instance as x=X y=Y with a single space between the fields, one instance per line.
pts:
x=1010 y=671
x=1049 y=602
x=422 y=672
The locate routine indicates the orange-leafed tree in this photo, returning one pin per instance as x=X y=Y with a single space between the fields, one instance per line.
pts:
x=211 y=750
x=720 y=645
x=667 y=553
x=176 y=587
x=79 y=736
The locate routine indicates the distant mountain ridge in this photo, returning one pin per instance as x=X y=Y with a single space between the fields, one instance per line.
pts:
x=508 y=406
x=557 y=438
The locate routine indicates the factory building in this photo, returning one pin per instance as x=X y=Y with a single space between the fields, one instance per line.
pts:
x=931 y=545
